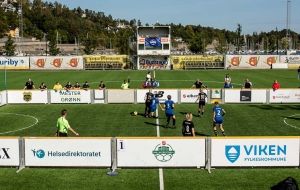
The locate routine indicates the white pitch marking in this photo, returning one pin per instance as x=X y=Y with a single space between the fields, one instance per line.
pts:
x=285 y=122
x=160 y=170
x=27 y=127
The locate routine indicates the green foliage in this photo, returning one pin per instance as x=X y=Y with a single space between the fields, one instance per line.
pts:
x=9 y=47
x=90 y=45
x=52 y=37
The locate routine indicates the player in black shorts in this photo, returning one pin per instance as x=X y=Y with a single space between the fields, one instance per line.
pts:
x=68 y=86
x=148 y=98
x=188 y=128
x=202 y=99
x=29 y=85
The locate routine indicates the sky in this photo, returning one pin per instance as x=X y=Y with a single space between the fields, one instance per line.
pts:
x=253 y=15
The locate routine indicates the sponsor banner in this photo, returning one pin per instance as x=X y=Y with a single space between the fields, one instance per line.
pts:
x=27 y=97
x=153 y=42
x=161 y=152
x=163 y=93
x=190 y=96
x=65 y=152
x=238 y=96
x=245 y=95
x=216 y=94
x=251 y=61
x=99 y=96
x=255 y=152
x=56 y=63
x=70 y=97
x=14 y=63
x=293 y=61
x=105 y=61
x=180 y=62
x=3 y=98
x=120 y=96
x=148 y=63
x=285 y=96
x=9 y=152
x=141 y=95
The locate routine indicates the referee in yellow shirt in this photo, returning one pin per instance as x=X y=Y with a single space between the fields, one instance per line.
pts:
x=63 y=125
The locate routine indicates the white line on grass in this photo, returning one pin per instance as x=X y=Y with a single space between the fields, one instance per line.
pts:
x=160 y=170
x=285 y=122
x=36 y=121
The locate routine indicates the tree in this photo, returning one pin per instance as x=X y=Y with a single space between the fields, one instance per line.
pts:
x=9 y=47
x=238 y=32
x=196 y=45
x=90 y=44
x=53 y=50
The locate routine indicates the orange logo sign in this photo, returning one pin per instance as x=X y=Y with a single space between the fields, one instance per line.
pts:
x=73 y=62
x=235 y=61
x=271 y=60
x=40 y=63
x=253 y=61
x=57 y=62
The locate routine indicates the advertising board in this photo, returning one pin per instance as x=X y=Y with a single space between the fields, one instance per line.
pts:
x=161 y=152
x=248 y=152
x=68 y=152
x=285 y=96
x=9 y=152
x=14 y=63
x=70 y=97
x=56 y=63
x=27 y=97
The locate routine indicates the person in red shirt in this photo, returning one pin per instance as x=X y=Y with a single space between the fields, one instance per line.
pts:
x=276 y=85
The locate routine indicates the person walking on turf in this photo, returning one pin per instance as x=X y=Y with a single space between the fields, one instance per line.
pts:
x=202 y=99
x=218 y=114
x=63 y=125
x=188 y=128
x=169 y=106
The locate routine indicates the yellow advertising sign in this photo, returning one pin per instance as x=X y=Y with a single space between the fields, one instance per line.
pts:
x=90 y=59
x=180 y=61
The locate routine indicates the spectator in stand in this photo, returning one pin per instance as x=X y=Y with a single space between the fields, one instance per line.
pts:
x=299 y=73
x=247 y=84
x=43 y=86
x=102 y=85
x=155 y=83
x=148 y=77
x=125 y=85
x=198 y=84
x=228 y=85
x=57 y=87
x=85 y=85
x=68 y=86
x=29 y=85
x=276 y=85
x=227 y=78
x=76 y=86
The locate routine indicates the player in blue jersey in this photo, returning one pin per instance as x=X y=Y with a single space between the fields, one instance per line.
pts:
x=153 y=106
x=169 y=110
x=218 y=114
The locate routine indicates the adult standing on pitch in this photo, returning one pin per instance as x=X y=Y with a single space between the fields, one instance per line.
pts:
x=29 y=85
x=169 y=111
x=299 y=73
x=63 y=125
x=218 y=114
x=202 y=98
x=188 y=128
x=148 y=98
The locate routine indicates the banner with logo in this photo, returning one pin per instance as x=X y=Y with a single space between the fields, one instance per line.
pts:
x=68 y=152
x=246 y=96
x=199 y=61
x=190 y=96
x=14 y=63
x=70 y=97
x=163 y=93
x=120 y=96
x=161 y=152
x=250 y=152
x=106 y=61
x=3 y=98
x=56 y=63
x=293 y=61
x=9 y=152
x=251 y=61
x=27 y=97
x=153 y=62
x=285 y=96
x=99 y=96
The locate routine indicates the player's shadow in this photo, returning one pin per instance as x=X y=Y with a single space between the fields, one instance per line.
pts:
x=201 y=134
x=184 y=113
x=153 y=124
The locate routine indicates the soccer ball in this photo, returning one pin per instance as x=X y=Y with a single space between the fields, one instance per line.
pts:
x=135 y=113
